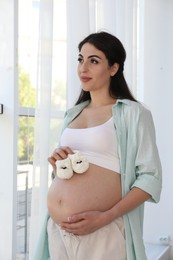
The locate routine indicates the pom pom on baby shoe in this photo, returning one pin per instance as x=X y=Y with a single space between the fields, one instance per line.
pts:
x=79 y=162
x=64 y=168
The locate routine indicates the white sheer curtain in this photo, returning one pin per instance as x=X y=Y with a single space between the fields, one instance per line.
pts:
x=83 y=17
x=42 y=119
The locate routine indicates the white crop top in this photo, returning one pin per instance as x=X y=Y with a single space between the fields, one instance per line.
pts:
x=98 y=144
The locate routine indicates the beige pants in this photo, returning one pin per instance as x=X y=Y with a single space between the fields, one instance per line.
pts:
x=107 y=243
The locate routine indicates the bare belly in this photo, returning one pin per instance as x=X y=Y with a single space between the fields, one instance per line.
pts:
x=96 y=189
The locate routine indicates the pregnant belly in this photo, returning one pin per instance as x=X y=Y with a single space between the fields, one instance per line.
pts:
x=96 y=189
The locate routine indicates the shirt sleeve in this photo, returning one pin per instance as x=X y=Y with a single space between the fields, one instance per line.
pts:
x=147 y=162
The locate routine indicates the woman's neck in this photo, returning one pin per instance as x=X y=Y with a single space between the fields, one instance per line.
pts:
x=102 y=102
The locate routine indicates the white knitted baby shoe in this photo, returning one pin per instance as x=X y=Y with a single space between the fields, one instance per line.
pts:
x=79 y=162
x=64 y=168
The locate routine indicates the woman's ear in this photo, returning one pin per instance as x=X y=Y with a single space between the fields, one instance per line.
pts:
x=114 y=69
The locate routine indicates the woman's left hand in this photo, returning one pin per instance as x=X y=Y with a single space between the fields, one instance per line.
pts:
x=84 y=223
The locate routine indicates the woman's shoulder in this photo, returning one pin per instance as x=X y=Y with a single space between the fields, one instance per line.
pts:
x=132 y=111
x=130 y=106
x=133 y=115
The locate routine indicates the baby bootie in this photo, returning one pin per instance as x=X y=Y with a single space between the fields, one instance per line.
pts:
x=64 y=168
x=79 y=162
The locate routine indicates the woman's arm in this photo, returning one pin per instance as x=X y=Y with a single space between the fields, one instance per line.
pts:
x=132 y=200
x=89 y=221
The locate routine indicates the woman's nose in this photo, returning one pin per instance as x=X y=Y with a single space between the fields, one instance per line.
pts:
x=83 y=66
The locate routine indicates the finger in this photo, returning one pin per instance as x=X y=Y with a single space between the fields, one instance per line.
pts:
x=72 y=228
x=76 y=218
x=77 y=229
x=62 y=152
x=59 y=154
x=73 y=225
x=67 y=149
x=52 y=161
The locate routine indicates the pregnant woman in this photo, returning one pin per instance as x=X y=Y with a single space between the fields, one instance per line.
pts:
x=98 y=214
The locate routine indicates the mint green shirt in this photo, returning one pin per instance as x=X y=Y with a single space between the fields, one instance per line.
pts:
x=140 y=167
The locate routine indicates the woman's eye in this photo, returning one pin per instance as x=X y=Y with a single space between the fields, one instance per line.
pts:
x=80 y=60
x=94 y=61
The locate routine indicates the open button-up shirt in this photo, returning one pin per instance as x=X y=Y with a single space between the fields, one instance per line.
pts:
x=140 y=167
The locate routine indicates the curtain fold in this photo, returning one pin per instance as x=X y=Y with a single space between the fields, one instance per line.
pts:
x=78 y=26
x=83 y=17
x=42 y=120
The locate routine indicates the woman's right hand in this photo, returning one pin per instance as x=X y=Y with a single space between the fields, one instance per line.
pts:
x=59 y=153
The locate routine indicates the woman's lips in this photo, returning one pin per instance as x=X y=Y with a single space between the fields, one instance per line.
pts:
x=85 y=79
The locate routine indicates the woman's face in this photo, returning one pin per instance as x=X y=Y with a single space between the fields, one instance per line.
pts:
x=93 y=69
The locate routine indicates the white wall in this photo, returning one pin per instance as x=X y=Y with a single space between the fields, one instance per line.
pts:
x=157 y=95
x=8 y=133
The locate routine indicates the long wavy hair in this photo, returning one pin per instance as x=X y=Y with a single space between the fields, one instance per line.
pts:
x=115 y=53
